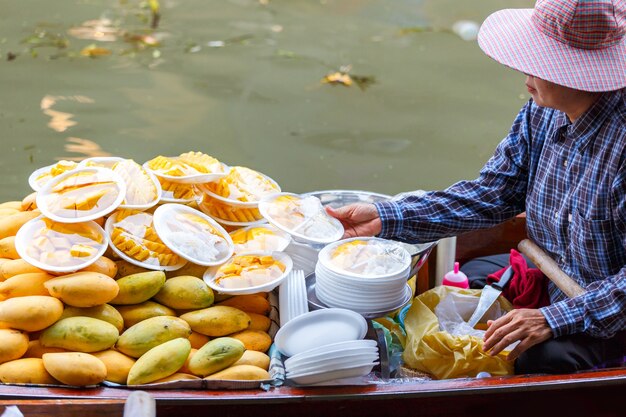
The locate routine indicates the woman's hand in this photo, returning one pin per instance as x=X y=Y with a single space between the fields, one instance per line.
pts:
x=358 y=219
x=528 y=326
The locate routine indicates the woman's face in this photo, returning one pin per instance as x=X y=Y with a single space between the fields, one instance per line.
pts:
x=547 y=94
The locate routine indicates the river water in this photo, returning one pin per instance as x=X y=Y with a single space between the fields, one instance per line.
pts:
x=241 y=81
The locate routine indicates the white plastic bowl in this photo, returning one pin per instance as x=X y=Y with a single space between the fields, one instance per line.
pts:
x=209 y=276
x=106 y=175
x=167 y=211
x=400 y=270
x=24 y=241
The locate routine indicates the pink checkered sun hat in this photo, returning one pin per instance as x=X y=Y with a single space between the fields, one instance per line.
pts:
x=579 y=44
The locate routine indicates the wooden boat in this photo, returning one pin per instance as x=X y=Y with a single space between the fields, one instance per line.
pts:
x=596 y=393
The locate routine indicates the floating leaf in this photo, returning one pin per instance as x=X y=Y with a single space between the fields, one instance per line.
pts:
x=338 y=78
x=95 y=51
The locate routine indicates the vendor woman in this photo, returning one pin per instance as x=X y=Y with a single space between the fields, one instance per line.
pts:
x=564 y=164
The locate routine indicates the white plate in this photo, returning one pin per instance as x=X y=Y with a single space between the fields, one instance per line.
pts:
x=371 y=282
x=239 y=203
x=100 y=161
x=209 y=276
x=206 y=211
x=32 y=230
x=164 y=225
x=37 y=185
x=108 y=227
x=332 y=350
x=132 y=184
x=282 y=239
x=306 y=359
x=369 y=310
x=317 y=377
x=319 y=328
x=341 y=360
x=190 y=179
x=46 y=196
x=265 y=207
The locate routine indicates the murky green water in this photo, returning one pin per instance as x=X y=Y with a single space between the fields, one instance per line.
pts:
x=240 y=80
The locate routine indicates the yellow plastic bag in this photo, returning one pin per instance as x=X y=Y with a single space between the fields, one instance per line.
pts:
x=441 y=354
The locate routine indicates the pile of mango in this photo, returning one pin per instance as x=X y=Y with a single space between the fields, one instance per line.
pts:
x=114 y=321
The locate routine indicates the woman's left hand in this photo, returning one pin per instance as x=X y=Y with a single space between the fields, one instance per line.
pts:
x=529 y=326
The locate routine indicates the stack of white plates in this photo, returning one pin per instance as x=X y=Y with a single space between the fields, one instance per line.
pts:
x=362 y=293
x=292 y=297
x=348 y=359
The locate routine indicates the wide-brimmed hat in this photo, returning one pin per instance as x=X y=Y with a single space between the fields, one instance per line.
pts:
x=579 y=44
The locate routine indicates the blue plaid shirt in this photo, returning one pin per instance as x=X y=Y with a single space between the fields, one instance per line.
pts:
x=570 y=178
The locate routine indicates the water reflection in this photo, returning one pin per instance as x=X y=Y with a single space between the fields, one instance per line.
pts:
x=61 y=121
x=85 y=147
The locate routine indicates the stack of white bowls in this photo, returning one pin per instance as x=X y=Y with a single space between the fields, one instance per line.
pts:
x=364 y=292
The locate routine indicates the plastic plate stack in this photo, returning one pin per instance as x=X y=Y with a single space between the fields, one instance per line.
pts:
x=335 y=361
x=325 y=345
x=364 y=275
x=292 y=299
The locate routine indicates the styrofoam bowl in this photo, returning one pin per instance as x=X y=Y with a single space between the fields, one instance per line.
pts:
x=209 y=276
x=325 y=259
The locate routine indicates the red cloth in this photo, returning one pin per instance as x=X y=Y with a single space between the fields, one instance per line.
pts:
x=529 y=286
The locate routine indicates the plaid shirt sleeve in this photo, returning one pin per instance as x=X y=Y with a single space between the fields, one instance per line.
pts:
x=496 y=195
x=601 y=311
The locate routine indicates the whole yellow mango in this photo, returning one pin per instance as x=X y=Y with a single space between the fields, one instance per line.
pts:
x=13 y=205
x=192 y=269
x=137 y=288
x=118 y=365
x=25 y=284
x=103 y=265
x=217 y=320
x=83 y=289
x=216 y=355
x=198 y=339
x=135 y=313
x=125 y=268
x=29 y=202
x=104 y=312
x=259 y=322
x=16 y=267
x=185 y=368
x=31 y=313
x=254 y=339
x=178 y=376
x=241 y=373
x=26 y=371
x=7 y=248
x=35 y=350
x=75 y=368
x=80 y=334
x=9 y=225
x=13 y=344
x=251 y=303
x=159 y=362
x=146 y=334
x=255 y=358
x=185 y=292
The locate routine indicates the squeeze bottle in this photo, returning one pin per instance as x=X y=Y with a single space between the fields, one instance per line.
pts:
x=456 y=278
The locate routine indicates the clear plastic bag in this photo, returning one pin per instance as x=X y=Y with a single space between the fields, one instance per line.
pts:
x=440 y=343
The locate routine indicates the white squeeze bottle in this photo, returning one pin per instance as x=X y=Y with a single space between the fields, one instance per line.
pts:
x=456 y=278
